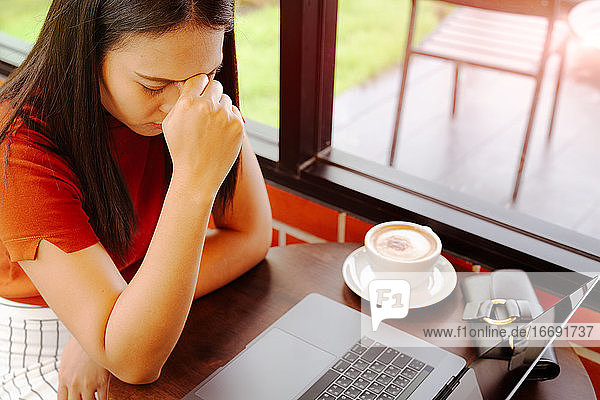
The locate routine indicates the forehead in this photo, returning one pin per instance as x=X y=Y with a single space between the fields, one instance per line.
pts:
x=175 y=55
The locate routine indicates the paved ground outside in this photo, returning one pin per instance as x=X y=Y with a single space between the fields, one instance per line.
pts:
x=477 y=152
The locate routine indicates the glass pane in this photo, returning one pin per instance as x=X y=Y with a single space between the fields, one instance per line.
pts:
x=23 y=19
x=476 y=151
x=257 y=45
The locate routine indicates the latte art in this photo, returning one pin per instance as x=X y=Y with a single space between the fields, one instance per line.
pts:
x=403 y=243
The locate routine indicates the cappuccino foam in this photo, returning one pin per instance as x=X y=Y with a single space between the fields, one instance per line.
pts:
x=403 y=243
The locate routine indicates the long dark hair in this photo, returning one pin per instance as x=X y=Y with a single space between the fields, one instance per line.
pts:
x=59 y=80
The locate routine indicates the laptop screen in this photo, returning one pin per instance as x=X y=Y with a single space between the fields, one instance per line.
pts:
x=504 y=367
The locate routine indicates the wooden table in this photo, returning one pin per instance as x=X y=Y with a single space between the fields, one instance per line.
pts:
x=222 y=323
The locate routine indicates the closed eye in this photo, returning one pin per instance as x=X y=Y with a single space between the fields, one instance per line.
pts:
x=156 y=91
x=153 y=91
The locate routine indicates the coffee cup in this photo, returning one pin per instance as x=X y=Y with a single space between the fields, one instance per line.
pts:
x=403 y=250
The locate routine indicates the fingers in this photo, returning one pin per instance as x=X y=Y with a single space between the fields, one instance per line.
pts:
x=88 y=395
x=214 y=91
x=227 y=105
x=237 y=113
x=84 y=395
x=74 y=395
x=63 y=394
x=209 y=99
x=226 y=102
x=201 y=86
x=194 y=87
x=77 y=393
x=103 y=392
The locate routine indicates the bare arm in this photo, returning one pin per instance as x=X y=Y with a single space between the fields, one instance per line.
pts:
x=121 y=325
x=243 y=234
x=131 y=329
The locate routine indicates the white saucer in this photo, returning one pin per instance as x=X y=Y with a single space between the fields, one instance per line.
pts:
x=358 y=273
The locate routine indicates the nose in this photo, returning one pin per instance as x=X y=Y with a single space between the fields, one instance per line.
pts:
x=170 y=97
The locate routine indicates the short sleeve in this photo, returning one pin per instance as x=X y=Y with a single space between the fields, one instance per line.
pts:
x=39 y=199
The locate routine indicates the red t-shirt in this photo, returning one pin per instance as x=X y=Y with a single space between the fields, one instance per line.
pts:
x=42 y=200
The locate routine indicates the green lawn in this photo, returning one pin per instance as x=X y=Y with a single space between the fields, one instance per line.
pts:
x=372 y=35
x=370 y=38
x=23 y=18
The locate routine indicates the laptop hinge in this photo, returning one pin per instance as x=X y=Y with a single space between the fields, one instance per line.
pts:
x=450 y=385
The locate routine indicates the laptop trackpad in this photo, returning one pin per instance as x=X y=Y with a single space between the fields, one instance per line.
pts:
x=276 y=367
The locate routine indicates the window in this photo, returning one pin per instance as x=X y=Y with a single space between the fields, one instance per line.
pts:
x=490 y=233
x=23 y=19
x=474 y=153
x=20 y=24
x=257 y=32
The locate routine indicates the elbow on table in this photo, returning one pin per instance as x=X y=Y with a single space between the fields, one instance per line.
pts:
x=265 y=241
x=259 y=244
x=138 y=374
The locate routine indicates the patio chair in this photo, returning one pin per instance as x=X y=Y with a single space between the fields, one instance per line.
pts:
x=481 y=33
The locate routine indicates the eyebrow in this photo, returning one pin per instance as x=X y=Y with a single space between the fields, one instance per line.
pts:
x=166 y=81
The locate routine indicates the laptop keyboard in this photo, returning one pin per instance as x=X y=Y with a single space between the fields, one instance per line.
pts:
x=370 y=371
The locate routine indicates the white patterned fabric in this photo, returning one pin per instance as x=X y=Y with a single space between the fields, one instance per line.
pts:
x=32 y=339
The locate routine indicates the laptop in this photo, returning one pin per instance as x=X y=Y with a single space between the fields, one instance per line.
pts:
x=318 y=350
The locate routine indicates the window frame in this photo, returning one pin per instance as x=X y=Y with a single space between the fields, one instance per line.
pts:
x=13 y=52
x=469 y=227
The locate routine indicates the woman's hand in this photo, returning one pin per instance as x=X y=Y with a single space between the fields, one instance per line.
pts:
x=79 y=377
x=204 y=132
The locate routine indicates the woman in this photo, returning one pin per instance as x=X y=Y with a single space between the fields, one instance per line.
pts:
x=97 y=216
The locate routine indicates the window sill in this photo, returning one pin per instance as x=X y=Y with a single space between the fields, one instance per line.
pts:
x=489 y=235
